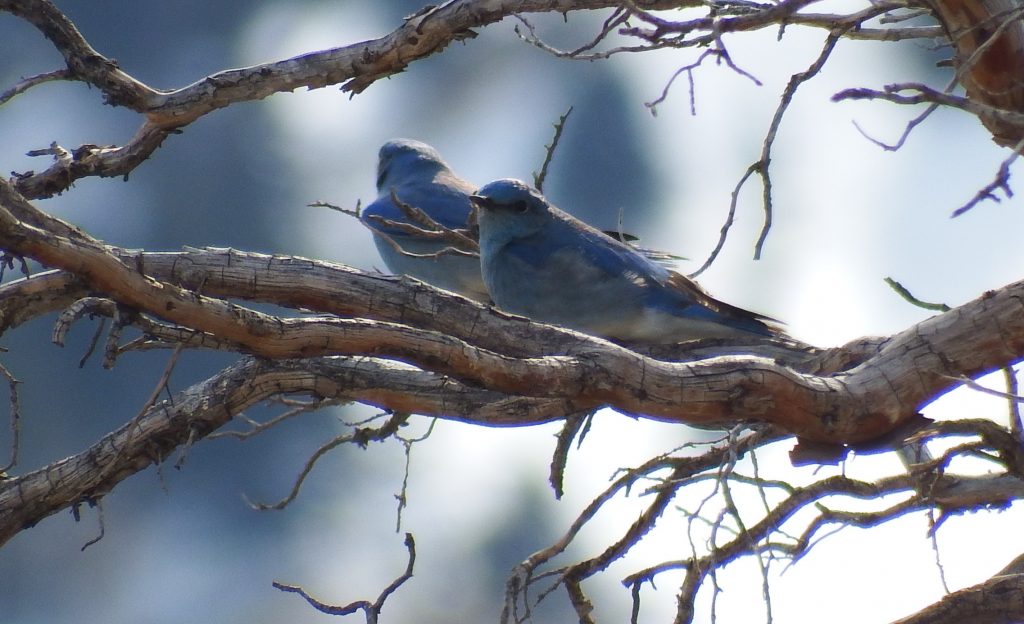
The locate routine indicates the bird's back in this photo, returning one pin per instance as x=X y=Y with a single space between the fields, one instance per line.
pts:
x=572 y=274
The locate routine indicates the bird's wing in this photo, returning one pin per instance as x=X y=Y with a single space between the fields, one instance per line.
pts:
x=617 y=258
x=698 y=295
x=614 y=256
x=663 y=258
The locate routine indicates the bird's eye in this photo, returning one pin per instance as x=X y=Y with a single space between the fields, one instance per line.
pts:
x=519 y=206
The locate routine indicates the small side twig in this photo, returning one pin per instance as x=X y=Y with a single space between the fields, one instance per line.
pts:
x=538 y=178
x=902 y=291
x=27 y=83
x=256 y=428
x=584 y=52
x=15 y=421
x=1011 y=396
x=98 y=504
x=721 y=54
x=420 y=234
x=730 y=217
x=911 y=93
x=933 y=537
x=423 y=226
x=762 y=165
x=417 y=215
x=913 y=123
x=1000 y=182
x=165 y=378
x=352 y=212
x=372 y=611
x=403 y=495
x=361 y=437
x=560 y=457
x=1013 y=389
x=787 y=97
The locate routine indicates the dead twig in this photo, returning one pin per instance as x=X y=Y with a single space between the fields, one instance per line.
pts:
x=360 y=437
x=27 y=83
x=14 y=422
x=549 y=153
x=371 y=610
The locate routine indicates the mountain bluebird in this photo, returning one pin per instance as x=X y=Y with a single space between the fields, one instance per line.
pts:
x=540 y=262
x=419 y=177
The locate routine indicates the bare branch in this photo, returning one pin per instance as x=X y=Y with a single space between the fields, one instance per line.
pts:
x=574 y=423
x=1012 y=397
x=923 y=94
x=720 y=54
x=193 y=413
x=1014 y=402
x=761 y=167
x=352 y=212
x=360 y=437
x=902 y=291
x=524 y=574
x=987 y=39
x=298 y=407
x=787 y=96
x=919 y=93
x=583 y=52
x=359 y=65
x=461 y=241
x=355 y=67
x=1001 y=182
x=403 y=495
x=32 y=81
x=372 y=611
x=538 y=178
x=864 y=405
x=84 y=63
x=997 y=600
x=766 y=537
x=15 y=421
x=913 y=123
x=723 y=233
x=318 y=285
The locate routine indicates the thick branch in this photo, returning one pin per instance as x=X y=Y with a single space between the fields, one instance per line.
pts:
x=357 y=65
x=84 y=62
x=199 y=410
x=856 y=406
x=999 y=600
x=333 y=288
x=989 y=42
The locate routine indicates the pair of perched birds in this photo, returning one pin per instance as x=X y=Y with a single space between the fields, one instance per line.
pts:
x=538 y=261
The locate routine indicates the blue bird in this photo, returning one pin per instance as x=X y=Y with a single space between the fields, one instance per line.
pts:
x=540 y=262
x=419 y=177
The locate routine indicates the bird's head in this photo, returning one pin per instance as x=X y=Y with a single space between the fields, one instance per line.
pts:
x=403 y=160
x=510 y=209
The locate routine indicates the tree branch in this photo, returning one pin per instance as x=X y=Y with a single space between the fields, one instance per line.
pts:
x=193 y=413
x=355 y=67
x=988 y=38
x=999 y=600
x=862 y=405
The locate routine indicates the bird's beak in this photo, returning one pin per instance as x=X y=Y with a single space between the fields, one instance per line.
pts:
x=481 y=202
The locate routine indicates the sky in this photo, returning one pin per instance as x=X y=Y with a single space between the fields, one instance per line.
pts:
x=180 y=544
